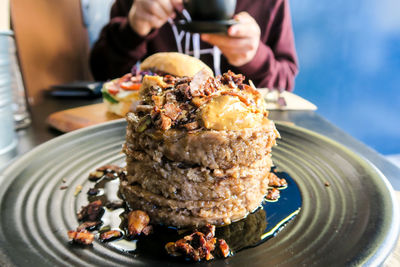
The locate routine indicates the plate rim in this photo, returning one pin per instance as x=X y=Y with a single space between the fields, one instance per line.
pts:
x=381 y=253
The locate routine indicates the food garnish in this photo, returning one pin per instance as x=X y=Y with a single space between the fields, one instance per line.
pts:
x=92 y=212
x=199 y=245
x=83 y=237
x=78 y=189
x=138 y=223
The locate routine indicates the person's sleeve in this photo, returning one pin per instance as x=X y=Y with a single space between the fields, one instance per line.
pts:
x=119 y=47
x=275 y=63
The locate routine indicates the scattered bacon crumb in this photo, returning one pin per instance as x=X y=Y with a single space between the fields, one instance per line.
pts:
x=327 y=184
x=91 y=212
x=275 y=181
x=63 y=187
x=198 y=245
x=137 y=222
x=96 y=175
x=110 y=235
x=84 y=237
x=273 y=194
x=107 y=171
x=223 y=248
x=195 y=246
x=115 y=204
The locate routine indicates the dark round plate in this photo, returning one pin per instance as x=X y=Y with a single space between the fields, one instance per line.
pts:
x=353 y=221
x=219 y=26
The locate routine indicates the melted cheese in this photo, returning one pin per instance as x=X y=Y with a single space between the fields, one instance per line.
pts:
x=229 y=113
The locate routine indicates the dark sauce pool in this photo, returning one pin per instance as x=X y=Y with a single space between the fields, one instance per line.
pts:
x=255 y=229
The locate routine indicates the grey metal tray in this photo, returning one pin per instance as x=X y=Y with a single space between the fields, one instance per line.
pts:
x=353 y=221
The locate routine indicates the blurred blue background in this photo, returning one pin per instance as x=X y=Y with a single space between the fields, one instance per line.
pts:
x=349 y=54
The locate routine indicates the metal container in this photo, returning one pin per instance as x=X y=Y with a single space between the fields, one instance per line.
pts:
x=8 y=140
x=22 y=117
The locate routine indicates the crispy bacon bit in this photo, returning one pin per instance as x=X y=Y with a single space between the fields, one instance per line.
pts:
x=83 y=237
x=88 y=226
x=175 y=104
x=110 y=235
x=208 y=231
x=115 y=204
x=191 y=126
x=182 y=80
x=63 y=187
x=273 y=194
x=170 y=96
x=95 y=176
x=172 y=111
x=211 y=86
x=231 y=79
x=275 y=181
x=166 y=122
x=158 y=101
x=91 y=212
x=196 y=246
x=144 y=108
x=184 y=89
x=223 y=248
x=169 y=79
x=137 y=222
x=108 y=171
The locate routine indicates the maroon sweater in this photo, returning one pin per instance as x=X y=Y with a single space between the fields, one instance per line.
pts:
x=274 y=65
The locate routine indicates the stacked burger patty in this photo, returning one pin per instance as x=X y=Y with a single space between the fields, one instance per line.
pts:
x=198 y=150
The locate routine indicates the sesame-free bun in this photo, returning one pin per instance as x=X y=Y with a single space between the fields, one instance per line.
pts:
x=174 y=63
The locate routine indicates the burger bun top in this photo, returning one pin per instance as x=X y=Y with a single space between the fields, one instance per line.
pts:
x=174 y=63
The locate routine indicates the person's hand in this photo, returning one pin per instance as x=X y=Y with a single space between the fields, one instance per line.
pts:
x=146 y=15
x=241 y=43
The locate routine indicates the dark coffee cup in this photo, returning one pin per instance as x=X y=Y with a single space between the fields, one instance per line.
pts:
x=210 y=10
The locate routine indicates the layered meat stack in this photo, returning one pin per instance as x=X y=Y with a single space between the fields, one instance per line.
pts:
x=198 y=150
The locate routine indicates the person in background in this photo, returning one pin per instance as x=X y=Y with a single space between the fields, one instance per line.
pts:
x=260 y=46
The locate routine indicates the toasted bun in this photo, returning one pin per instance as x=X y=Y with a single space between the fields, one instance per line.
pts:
x=174 y=63
x=120 y=108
